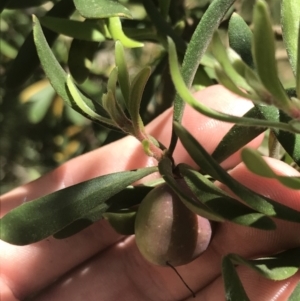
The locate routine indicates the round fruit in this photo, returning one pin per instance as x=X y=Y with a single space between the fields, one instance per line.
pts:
x=167 y=232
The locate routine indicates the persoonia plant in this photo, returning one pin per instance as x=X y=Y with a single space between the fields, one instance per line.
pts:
x=187 y=197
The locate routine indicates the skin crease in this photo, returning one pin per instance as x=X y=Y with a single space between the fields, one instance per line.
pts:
x=99 y=264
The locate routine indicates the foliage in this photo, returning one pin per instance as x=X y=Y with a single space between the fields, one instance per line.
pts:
x=119 y=105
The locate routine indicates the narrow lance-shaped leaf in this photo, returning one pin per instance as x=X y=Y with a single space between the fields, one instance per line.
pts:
x=117 y=33
x=256 y=164
x=136 y=92
x=238 y=136
x=38 y=219
x=264 y=54
x=58 y=77
x=81 y=104
x=187 y=96
x=221 y=203
x=126 y=198
x=123 y=76
x=240 y=38
x=219 y=52
x=87 y=31
x=254 y=200
x=91 y=9
x=116 y=113
x=290 y=19
x=233 y=287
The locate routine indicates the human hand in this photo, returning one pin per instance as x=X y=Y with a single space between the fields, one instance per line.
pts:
x=99 y=264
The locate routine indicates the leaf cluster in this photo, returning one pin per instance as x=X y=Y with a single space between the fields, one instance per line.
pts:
x=247 y=68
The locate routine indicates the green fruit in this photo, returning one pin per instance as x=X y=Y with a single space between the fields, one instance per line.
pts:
x=167 y=232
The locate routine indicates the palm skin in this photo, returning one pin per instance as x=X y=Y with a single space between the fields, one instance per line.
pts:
x=99 y=264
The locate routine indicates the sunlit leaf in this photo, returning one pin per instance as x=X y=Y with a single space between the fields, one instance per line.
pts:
x=187 y=96
x=136 y=92
x=290 y=20
x=101 y=9
x=38 y=219
x=117 y=33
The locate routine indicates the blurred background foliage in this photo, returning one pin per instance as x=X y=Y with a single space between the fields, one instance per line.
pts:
x=38 y=132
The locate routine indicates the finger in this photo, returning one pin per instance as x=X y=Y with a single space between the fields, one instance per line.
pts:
x=143 y=280
x=57 y=257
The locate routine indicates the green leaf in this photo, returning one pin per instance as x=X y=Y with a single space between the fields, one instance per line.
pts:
x=298 y=65
x=82 y=105
x=196 y=48
x=101 y=9
x=80 y=57
x=296 y=293
x=38 y=219
x=117 y=33
x=219 y=52
x=125 y=199
x=290 y=19
x=233 y=287
x=277 y=267
x=238 y=136
x=187 y=96
x=165 y=169
x=87 y=31
x=58 y=78
x=221 y=203
x=208 y=165
x=240 y=38
x=123 y=75
x=116 y=112
x=264 y=54
x=257 y=165
x=136 y=92
x=27 y=59
x=122 y=221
